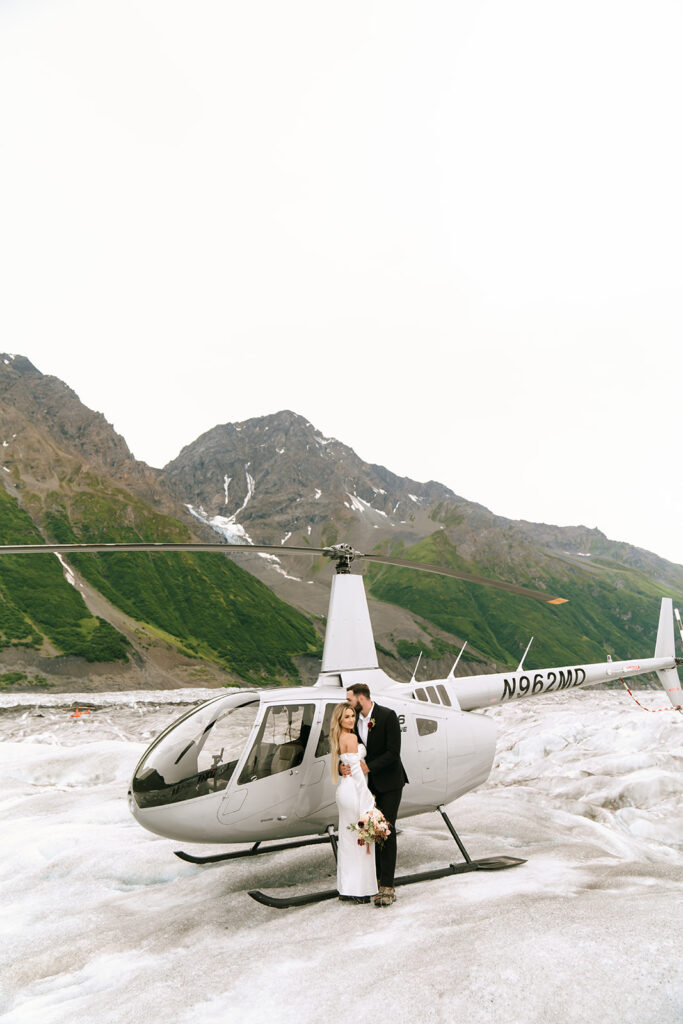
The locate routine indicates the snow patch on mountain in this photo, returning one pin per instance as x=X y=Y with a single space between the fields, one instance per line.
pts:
x=275 y=564
x=68 y=574
x=359 y=505
x=283 y=572
x=226 y=526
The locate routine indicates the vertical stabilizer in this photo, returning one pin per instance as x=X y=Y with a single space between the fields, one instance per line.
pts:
x=665 y=648
x=349 y=642
x=665 y=630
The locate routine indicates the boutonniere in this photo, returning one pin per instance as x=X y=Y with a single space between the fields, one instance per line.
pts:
x=371 y=724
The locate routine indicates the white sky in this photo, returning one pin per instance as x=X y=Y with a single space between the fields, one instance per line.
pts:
x=447 y=233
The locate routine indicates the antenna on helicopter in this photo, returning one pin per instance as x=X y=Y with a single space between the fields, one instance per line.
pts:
x=521 y=664
x=416 y=667
x=451 y=674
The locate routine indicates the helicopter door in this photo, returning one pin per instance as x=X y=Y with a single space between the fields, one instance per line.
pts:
x=272 y=770
x=317 y=795
x=431 y=747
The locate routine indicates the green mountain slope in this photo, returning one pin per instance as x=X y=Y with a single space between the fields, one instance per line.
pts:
x=68 y=477
x=203 y=604
x=207 y=604
x=38 y=605
x=612 y=608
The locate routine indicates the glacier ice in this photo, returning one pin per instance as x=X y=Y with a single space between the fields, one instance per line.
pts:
x=101 y=923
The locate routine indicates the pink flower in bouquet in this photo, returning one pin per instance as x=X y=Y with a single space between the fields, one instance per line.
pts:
x=372 y=827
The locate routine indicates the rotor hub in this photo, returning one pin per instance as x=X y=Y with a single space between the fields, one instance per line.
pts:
x=342 y=555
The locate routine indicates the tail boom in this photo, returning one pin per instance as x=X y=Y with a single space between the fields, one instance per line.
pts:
x=474 y=692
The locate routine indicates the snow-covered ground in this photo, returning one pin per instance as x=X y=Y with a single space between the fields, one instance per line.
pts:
x=101 y=923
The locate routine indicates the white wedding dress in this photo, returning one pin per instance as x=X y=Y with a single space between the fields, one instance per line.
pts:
x=355 y=866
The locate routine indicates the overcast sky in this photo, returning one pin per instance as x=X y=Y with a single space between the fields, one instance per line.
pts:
x=447 y=233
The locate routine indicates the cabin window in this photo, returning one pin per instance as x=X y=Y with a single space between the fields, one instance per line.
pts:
x=421 y=695
x=323 y=746
x=280 y=743
x=433 y=695
x=445 y=699
x=426 y=726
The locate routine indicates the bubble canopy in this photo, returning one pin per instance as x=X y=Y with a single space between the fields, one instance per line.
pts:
x=198 y=753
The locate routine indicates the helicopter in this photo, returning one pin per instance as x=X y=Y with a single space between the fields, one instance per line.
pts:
x=252 y=766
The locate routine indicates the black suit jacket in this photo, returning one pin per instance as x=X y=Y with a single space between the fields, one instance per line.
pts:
x=383 y=756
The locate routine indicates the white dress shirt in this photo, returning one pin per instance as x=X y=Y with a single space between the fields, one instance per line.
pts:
x=363 y=726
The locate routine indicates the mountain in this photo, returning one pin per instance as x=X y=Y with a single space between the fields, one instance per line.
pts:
x=276 y=479
x=281 y=476
x=128 y=619
x=140 y=620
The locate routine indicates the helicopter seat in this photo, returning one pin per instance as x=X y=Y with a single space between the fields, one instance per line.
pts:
x=287 y=756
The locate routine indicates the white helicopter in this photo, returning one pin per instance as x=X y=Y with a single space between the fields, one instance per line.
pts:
x=252 y=766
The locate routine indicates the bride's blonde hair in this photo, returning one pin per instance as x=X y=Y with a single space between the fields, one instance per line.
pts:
x=335 y=733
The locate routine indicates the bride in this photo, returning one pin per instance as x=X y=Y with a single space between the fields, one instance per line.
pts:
x=356 y=877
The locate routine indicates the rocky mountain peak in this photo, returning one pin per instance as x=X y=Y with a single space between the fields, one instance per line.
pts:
x=47 y=432
x=271 y=477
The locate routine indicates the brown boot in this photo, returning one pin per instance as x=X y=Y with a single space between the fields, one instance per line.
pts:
x=386 y=896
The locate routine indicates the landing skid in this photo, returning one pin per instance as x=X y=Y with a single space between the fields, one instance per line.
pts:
x=483 y=864
x=254 y=851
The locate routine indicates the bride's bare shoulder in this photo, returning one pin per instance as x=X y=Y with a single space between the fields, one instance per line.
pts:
x=348 y=743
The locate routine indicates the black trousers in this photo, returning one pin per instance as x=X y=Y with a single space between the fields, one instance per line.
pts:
x=385 y=853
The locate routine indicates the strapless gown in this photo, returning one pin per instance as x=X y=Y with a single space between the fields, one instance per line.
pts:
x=356 y=875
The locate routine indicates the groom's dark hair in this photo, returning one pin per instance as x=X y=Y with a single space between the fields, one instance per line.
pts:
x=360 y=690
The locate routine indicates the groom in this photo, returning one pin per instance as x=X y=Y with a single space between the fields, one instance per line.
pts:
x=379 y=730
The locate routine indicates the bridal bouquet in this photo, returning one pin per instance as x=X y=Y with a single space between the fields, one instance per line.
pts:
x=372 y=827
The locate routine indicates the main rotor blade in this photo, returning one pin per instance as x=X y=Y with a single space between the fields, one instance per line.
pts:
x=95 y=549
x=512 y=588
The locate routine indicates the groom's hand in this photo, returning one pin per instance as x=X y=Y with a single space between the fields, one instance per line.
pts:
x=365 y=768
x=344 y=768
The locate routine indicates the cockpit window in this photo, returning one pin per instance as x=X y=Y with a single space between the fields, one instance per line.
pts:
x=198 y=754
x=280 y=743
